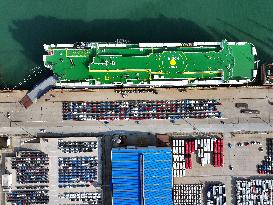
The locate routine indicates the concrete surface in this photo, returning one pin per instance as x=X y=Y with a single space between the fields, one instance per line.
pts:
x=47 y=114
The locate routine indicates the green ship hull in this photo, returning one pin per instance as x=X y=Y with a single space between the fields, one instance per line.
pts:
x=151 y=64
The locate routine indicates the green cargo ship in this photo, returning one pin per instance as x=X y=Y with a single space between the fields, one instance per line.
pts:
x=151 y=64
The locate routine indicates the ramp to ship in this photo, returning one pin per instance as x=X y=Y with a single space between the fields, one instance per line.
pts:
x=39 y=90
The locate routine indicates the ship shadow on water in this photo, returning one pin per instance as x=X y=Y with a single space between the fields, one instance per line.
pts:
x=263 y=56
x=33 y=33
x=261 y=44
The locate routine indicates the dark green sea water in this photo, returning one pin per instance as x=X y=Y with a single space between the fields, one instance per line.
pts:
x=25 y=25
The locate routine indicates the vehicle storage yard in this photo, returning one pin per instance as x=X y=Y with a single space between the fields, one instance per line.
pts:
x=235 y=147
x=141 y=110
x=47 y=113
x=48 y=171
x=243 y=159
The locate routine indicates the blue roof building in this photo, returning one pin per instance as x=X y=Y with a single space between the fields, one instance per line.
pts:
x=142 y=176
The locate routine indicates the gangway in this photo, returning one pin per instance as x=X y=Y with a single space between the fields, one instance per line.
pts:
x=39 y=90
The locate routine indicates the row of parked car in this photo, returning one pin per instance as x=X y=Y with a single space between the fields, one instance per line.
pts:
x=27 y=197
x=131 y=103
x=31 y=167
x=29 y=187
x=77 y=146
x=139 y=110
x=266 y=167
x=90 y=197
x=136 y=90
x=73 y=185
x=77 y=169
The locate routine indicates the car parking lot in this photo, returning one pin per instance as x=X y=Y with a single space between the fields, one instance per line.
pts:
x=28 y=197
x=31 y=167
x=85 y=197
x=254 y=191
x=77 y=146
x=77 y=169
x=140 y=109
x=30 y=177
x=57 y=171
x=188 y=194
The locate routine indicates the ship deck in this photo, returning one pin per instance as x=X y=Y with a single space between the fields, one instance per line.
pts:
x=141 y=65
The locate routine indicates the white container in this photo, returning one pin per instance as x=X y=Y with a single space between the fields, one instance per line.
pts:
x=199 y=141
x=183 y=172
x=175 y=150
x=195 y=144
x=211 y=145
x=174 y=143
x=208 y=156
x=205 y=145
x=202 y=161
x=175 y=173
x=179 y=150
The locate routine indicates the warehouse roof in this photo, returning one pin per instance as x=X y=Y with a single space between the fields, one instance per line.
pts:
x=142 y=175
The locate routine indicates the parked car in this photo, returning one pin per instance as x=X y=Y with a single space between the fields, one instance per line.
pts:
x=239 y=144
x=231 y=167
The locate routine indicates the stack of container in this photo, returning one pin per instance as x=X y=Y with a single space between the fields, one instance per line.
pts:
x=187 y=194
x=267 y=164
x=189 y=149
x=182 y=150
x=218 y=153
x=205 y=147
x=216 y=195
x=254 y=191
x=204 y=150
x=179 y=161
